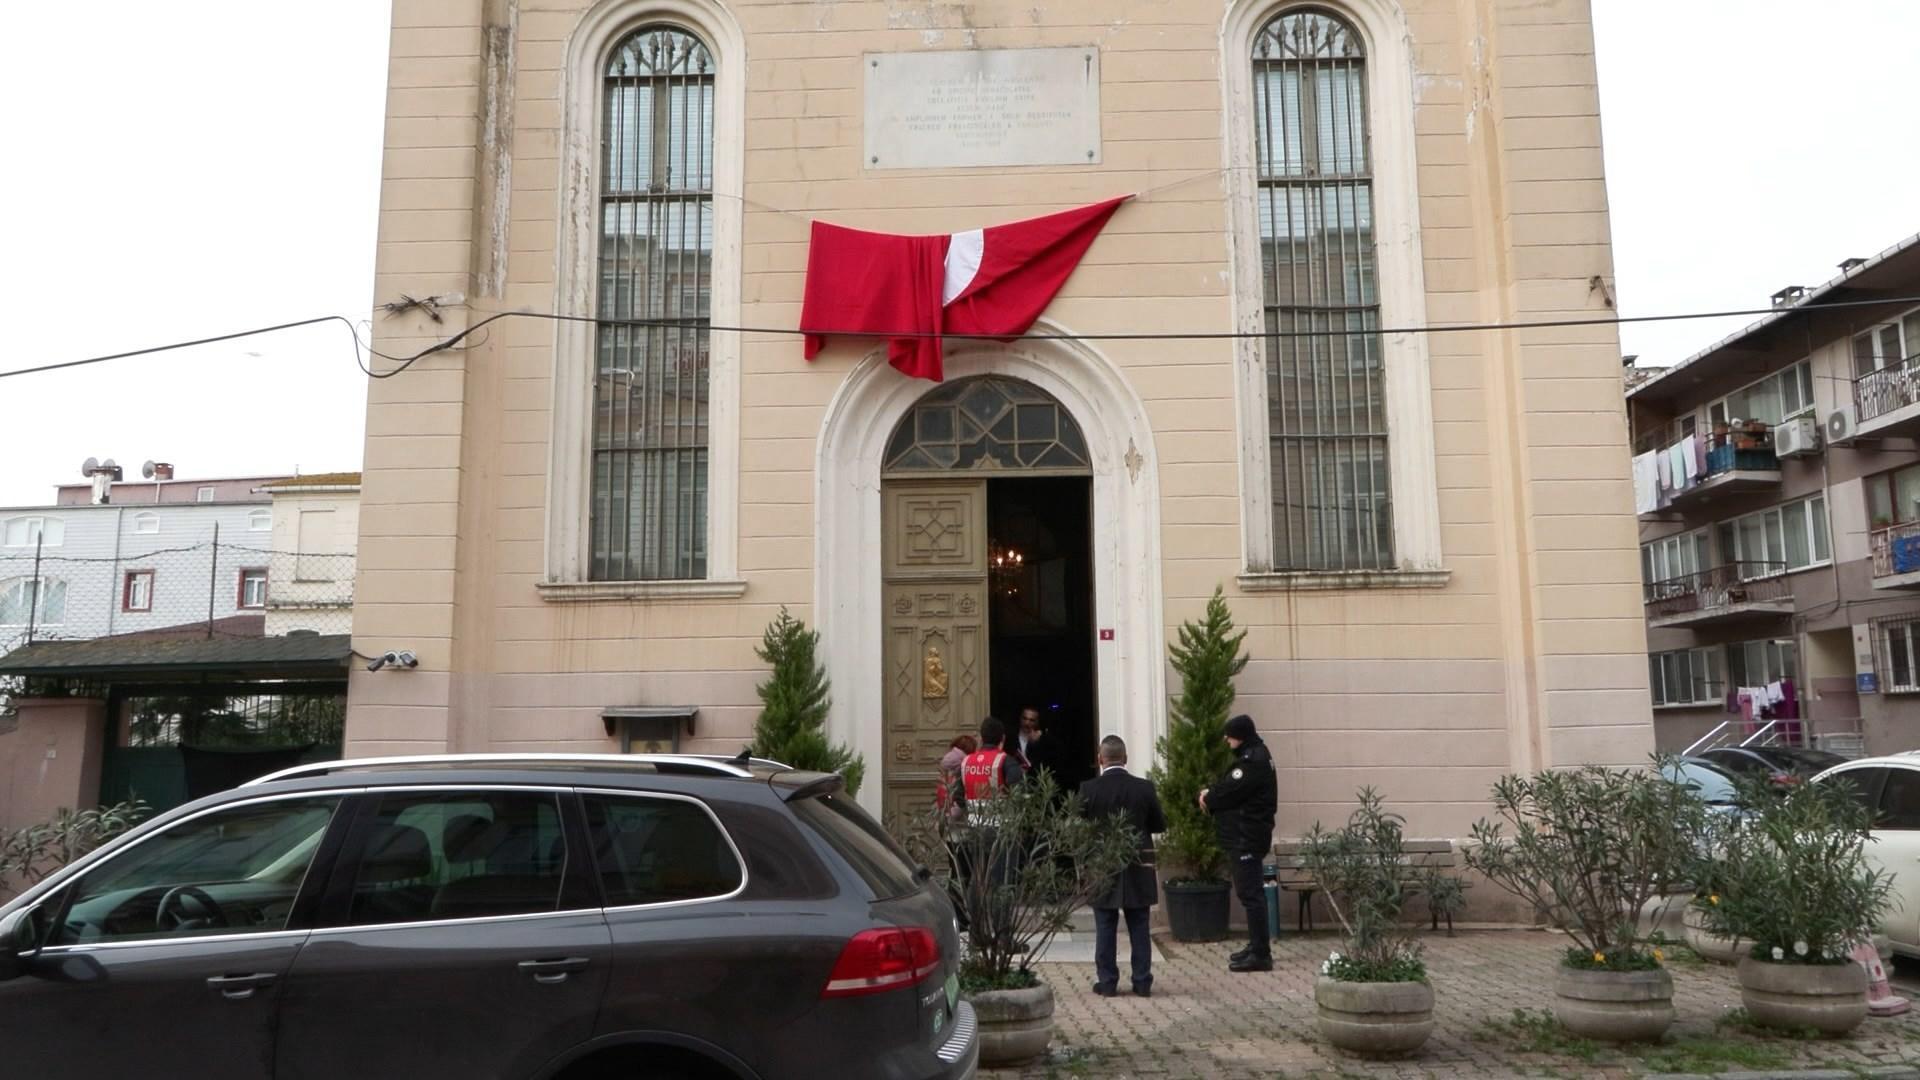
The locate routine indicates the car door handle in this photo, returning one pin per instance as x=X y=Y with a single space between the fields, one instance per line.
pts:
x=239 y=987
x=553 y=971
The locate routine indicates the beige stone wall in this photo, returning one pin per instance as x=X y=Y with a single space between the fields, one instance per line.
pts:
x=1534 y=652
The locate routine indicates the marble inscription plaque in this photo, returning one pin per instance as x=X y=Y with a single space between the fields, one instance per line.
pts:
x=974 y=108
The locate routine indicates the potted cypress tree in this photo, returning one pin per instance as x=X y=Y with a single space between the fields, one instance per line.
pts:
x=1373 y=998
x=1589 y=848
x=1791 y=876
x=794 y=702
x=1193 y=754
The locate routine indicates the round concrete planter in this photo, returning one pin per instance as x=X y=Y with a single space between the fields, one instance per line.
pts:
x=1614 y=1006
x=1708 y=944
x=1198 y=910
x=1015 y=1025
x=1828 y=998
x=1374 y=1019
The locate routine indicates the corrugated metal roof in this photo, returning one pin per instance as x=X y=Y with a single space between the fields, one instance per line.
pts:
x=161 y=655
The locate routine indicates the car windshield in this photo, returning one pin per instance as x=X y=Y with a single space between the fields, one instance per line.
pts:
x=1710 y=784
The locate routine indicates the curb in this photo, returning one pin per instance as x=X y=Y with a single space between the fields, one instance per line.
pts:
x=1875 y=1072
x=1872 y=1073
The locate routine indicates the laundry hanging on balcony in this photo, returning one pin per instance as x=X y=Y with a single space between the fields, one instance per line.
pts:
x=1646 y=483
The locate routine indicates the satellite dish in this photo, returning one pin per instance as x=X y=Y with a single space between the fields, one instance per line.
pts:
x=88 y=466
x=108 y=465
x=146 y=470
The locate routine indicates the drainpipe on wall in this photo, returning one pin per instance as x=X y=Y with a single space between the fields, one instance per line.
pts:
x=115 y=584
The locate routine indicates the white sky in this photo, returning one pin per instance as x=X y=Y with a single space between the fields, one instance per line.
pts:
x=212 y=166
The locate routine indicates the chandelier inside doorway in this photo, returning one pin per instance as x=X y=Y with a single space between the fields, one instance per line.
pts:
x=1005 y=564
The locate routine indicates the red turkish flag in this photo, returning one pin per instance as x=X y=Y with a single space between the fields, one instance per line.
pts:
x=990 y=282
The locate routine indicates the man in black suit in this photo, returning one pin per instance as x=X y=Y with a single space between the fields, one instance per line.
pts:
x=1118 y=793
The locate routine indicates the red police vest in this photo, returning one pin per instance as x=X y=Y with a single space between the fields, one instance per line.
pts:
x=980 y=773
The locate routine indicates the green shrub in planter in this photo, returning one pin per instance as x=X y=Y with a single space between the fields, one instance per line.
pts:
x=1194 y=753
x=1789 y=873
x=1589 y=847
x=1373 y=999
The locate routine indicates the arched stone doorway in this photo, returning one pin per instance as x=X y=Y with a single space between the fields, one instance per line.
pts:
x=986 y=510
x=875 y=451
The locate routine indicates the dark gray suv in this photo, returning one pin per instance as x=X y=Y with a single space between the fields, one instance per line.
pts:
x=492 y=916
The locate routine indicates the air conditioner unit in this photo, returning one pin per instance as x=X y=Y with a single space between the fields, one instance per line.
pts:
x=1798 y=437
x=1840 y=427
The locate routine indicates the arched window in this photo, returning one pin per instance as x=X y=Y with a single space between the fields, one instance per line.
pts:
x=1326 y=397
x=29 y=532
x=146 y=522
x=22 y=603
x=987 y=422
x=259 y=520
x=650 y=396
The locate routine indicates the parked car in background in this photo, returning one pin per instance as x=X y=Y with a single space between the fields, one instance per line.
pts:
x=573 y=916
x=1890 y=786
x=1707 y=780
x=1785 y=764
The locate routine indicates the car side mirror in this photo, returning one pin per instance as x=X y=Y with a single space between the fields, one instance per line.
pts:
x=16 y=943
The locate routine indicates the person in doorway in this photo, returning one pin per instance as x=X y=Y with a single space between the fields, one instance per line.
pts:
x=1037 y=751
x=989 y=769
x=984 y=774
x=1243 y=803
x=1118 y=793
x=950 y=797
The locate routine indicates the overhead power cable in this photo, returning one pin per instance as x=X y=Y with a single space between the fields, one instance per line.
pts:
x=454 y=341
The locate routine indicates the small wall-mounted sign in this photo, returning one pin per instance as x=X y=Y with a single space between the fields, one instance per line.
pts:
x=1106 y=634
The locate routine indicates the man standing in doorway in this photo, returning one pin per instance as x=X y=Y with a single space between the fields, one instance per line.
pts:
x=1036 y=749
x=1118 y=793
x=1243 y=803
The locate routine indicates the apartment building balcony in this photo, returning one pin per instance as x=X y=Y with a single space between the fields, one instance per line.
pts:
x=1895 y=550
x=1887 y=402
x=1728 y=463
x=1744 y=591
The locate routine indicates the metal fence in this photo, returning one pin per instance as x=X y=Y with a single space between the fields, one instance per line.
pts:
x=209 y=589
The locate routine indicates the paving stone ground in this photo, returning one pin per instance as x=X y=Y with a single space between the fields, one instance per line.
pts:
x=1203 y=1022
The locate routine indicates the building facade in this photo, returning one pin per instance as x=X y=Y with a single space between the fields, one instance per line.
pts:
x=170 y=637
x=156 y=554
x=1779 y=490
x=1428 y=537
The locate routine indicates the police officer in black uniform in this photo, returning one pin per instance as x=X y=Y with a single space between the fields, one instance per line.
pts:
x=1243 y=803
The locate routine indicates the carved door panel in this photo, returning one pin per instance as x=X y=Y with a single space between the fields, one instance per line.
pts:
x=935 y=638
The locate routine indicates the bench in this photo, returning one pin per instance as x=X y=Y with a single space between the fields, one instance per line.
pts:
x=1420 y=858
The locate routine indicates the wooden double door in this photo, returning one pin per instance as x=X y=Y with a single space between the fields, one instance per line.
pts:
x=935 y=631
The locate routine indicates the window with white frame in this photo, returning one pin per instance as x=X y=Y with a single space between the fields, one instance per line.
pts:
x=25 y=601
x=253 y=588
x=650 y=398
x=1685 y=677
x=1672 y=558
x=260 y=521
x=146 y=522
x=26 y=532
x=1777 y=540
x=1887 y=345
x=204 y=494
x=136 y=594
x=1325 y=376
x=1757 y=663
x=1784 y=394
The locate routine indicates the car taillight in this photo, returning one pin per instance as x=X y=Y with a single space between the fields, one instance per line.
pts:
x=878 y=960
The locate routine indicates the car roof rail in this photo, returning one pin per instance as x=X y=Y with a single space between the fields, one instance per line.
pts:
x=711 y=764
